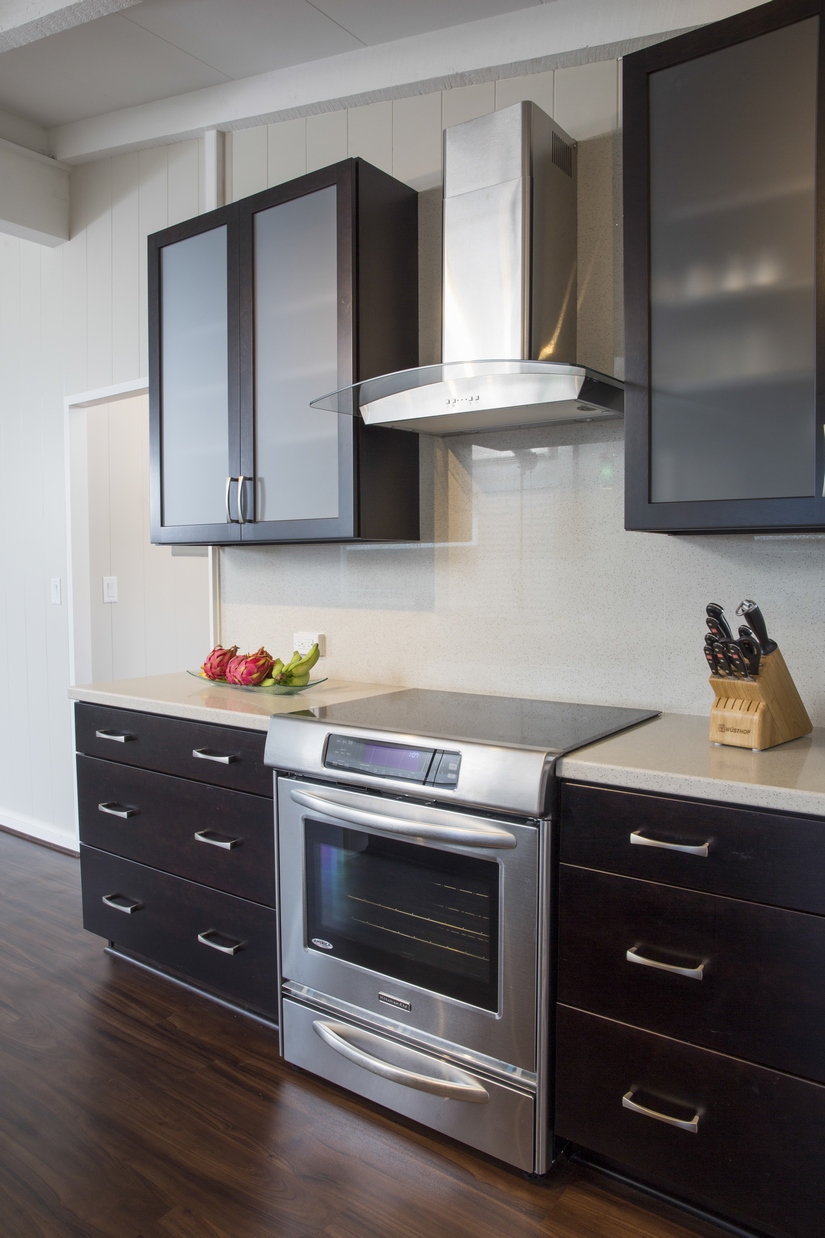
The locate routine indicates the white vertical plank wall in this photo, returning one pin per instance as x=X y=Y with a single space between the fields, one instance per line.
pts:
x=74 y=319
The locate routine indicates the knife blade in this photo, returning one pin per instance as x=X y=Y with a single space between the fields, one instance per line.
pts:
x=751 y=612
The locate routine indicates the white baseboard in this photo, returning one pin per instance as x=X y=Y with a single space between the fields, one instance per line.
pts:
x=40 y=831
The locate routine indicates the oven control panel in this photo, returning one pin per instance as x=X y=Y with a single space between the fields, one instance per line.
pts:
x=430 y=766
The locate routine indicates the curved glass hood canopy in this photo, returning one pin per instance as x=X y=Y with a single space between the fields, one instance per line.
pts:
x=509 y=292
x=458 y=397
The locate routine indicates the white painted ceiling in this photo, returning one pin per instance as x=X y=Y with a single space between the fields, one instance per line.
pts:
x=70 y=61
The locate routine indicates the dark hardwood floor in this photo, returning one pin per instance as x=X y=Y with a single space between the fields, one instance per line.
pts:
x=132 y=1108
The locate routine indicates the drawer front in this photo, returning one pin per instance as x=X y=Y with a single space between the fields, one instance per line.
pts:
x=751 y=986
x=761 y=856
x=222 y=755
x=220 y=838
x=501 y=1126
x=167 y=918
x=756 y=1154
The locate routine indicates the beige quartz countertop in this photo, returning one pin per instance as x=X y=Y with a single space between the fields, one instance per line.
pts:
x=181 y=695
x=674 y=756
x=671 y=755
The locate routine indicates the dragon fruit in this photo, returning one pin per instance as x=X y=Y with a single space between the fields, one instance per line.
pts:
x=249 y=668
x=215 y=665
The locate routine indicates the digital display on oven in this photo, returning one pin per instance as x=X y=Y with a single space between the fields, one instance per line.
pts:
x=362 y=756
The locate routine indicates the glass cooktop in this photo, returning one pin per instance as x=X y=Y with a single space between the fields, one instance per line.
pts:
x=545 y=726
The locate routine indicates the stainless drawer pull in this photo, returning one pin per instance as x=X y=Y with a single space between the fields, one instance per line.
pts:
x=218 y=941
x=639 y=840
x=447 y=1081
x=694 y=973
x=119 y=902
x=117 y=810
x=119 y=737
x=222 y=758
x=217 y=840
x=692 y=1125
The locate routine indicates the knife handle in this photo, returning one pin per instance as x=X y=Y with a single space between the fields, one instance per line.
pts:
x=714 y=611
x=750 y=611
x=723 y=666
x=711 y=660
x=737 y=660
x=719 y=631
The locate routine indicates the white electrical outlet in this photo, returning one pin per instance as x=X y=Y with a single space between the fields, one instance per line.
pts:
x=303 y=642
x=55 y=591
x=110 y=588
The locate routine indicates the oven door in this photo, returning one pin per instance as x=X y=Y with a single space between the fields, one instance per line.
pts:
x=423 y=915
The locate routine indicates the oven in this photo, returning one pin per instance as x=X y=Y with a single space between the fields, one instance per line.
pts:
x=415 y=912
x=414 y=850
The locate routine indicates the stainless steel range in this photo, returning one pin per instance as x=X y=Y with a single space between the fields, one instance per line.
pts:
x=414 y=843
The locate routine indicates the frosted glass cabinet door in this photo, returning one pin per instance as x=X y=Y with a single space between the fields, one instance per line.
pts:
x=193 y=385
x=296 y=356
x=733 y=437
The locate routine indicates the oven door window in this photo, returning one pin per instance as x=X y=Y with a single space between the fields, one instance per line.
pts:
x=418 y=914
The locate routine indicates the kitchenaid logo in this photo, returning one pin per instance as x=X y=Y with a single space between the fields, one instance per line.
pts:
x=736 y=730
x=462 y=399
x=394 y=1001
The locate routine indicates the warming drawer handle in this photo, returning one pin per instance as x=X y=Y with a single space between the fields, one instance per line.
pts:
x=118 y=737
x=117 y=810
x=210 y=938
x=693 y=973
x=692 y=1125
x=221 y=758
x=456 y=1085
x=217 y=840
x=119 y=902
x=641 y=840
x=478 y=834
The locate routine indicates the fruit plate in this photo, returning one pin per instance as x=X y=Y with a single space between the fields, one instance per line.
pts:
x=275 y=689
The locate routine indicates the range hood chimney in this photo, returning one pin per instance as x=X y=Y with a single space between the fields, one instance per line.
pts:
x=509 y=310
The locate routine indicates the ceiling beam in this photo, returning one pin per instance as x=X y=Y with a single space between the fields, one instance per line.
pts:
x=26 y=21
x=530 y=40
x=34 y=196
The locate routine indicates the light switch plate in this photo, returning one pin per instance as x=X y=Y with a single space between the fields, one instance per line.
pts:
x=303 y=642
x=55 y=591
x=110 y=588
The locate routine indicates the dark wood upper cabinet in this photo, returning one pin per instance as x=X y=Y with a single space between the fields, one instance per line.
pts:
x=256 y=309
x=723 y=219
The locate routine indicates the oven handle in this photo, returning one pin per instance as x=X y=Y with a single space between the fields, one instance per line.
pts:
x=454 y=1084
x=465 y=832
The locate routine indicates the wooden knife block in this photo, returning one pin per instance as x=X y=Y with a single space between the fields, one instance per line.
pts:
x=758 y=713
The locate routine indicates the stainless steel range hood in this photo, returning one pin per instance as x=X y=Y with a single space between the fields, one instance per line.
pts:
x=509 y=312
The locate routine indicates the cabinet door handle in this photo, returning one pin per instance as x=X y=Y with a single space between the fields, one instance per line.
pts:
x=119 y=902
x=229 y=482
x=241 y=517
x=117 y=810
x=117 y=737
x=218 y=941
x=217 y=840
x=691 y=1125
x=641 y=840
x=693 y=973
x=222 y=758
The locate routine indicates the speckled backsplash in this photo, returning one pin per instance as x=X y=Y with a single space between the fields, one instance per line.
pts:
x=527 y=583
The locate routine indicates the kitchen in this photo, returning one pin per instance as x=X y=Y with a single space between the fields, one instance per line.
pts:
x=525 y=582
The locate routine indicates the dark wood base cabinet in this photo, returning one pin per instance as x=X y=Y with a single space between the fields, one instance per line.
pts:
x=690 y=1049
x=176 y=871
x=756 y=1153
